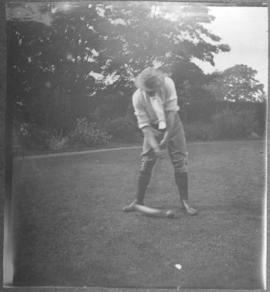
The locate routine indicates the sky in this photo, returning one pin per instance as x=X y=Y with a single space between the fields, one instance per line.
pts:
x=245 y=30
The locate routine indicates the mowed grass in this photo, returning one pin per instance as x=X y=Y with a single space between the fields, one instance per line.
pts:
x=70 y=230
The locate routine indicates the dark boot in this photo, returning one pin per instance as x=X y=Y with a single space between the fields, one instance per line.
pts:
x=143 y=181
x=181 y=180
x=147 y=163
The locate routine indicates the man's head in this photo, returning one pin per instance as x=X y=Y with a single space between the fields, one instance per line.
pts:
x=150 y=80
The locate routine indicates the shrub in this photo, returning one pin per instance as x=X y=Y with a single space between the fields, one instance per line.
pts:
x=233 y=125
x=122 y=129
x=58 y=141
x=199 y=131
x=31 y=136
x=87 y=133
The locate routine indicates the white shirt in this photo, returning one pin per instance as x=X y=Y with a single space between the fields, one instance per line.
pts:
x=157 y=106
x=147 y=112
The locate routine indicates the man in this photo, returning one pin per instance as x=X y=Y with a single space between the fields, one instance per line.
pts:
x=156 y=109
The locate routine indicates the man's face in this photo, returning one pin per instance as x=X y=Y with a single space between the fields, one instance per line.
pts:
x=153 y=85
x=151 y=93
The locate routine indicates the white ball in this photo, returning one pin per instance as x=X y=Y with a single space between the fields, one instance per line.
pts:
x=170 y=214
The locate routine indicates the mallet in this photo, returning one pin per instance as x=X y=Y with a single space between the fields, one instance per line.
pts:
x=154 y=212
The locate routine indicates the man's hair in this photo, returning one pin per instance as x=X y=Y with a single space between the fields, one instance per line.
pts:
x=152 y=83
x=150 y=79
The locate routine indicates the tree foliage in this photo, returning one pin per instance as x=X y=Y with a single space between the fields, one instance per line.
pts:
x=237 y=83
x=66 y=60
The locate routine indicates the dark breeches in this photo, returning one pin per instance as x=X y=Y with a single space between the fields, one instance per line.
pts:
x=179 y=157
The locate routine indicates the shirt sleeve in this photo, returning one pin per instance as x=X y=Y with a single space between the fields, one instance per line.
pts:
x=171 y=99
x=139 y=110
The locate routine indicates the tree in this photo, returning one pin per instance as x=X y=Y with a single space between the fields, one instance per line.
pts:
x=237 y=83
x=190 y=82
x=64 y=59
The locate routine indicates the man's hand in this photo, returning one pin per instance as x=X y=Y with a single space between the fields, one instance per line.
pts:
x=159 y=153
x=152 y=141
x=150 y=137
x=170 y=123
x=163 y=143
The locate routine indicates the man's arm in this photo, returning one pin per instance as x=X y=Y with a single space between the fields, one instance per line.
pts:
x=170 y=119
x=151 y=139
x=171 y=110
x=139 y=110
x=144 y=123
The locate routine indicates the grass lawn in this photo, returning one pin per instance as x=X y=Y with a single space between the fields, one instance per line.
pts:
x=70 y=230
